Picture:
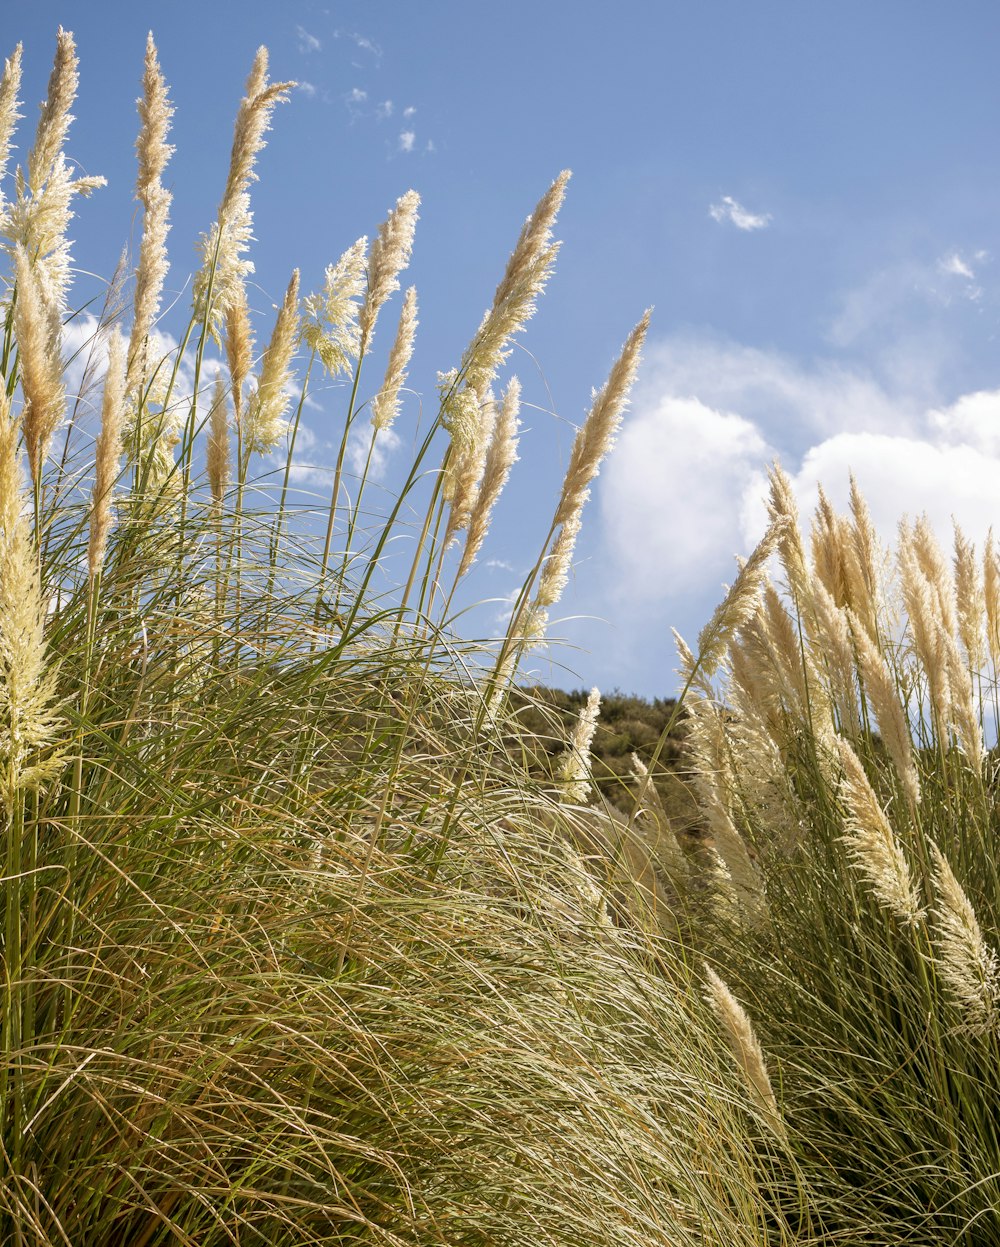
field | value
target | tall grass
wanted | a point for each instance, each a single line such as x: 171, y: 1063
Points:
x: 293, y: 950
x: 843, y: 773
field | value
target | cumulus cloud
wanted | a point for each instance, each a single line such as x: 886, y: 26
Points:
x: 307, y: 42
x: 383, y: 110
x: 406, y: 141
x: 671, y: 495
x: 727, y: 209
x: 409, y: 112
x: 686, y: 486
x: 356, y: 96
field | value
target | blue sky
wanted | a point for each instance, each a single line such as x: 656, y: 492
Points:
x: 805, y: 192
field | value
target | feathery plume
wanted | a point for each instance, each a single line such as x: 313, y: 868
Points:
x: 650, y: 807
x: 937, y: 573
x: 223, y: 248
x: 217, y: 449
x: 41, y: 212
x: 991, y: 594
x: 745, y: 1047
x: 108, y: 455
x: 267, y: 405
x: 466, y: 464
x: 525, y: 277
x: 964, y: 715
x: 742, y: 600
x: 593, y: 440
x: 385, y: 404
x: 966, y: 963
x: 832, y: 642
x: 573, y: 772
x: 885, y: 705
x: 55, y: 119
x: 923, y: 601
x: 10, y: 85
x: 239, y: 347
x: 867, y: 560
x: 390, y: 254
x: 872, y: 845
x: 153, y: 153
x: 38, y: 340
x: 969, y: 600
x: 29, y: 722
x: 331, y: 315
x: 500, y: 458
x: 782, y: 506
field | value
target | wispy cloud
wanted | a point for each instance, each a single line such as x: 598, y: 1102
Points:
x: 307, y: 42
x: 384, y: 110
x: 728, y: 210
x: 410, y: 111
x: 955, y: 266
x: 307, y: 88
x: 360, y: 41
x: 406, y: 141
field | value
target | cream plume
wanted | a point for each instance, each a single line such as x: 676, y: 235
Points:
x: 741, y: 602
x: 744, y: 1045
x: 885, y: 705
x: 593, y: 440
x: 969, y: 600
x: 266, y: 407
x: 29, y: 722
x: 224, y: 266
x: 331, y: 315
x: 153, y: 153
x: 217, y: 449
x: 385, y: 404
x: 966, y: 963
x: 573, y: 772
x: 390, y: 254
x: 10, y: 85
x: 55, y: 119
x: 500, y: 458
x: 872, y: 845
x: 37, y: 328
x: 108, y: 455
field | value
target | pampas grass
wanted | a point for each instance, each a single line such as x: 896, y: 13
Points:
x: 294, y: 949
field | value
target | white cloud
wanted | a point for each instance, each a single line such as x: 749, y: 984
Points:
x: 671, y: 496
x: 308, y: 88
x: 383, y: 110
x: 955, y: 266
x: 307, y: 42
x: 409, y: 112
x: 406, y: 140
x: 356, y: 96
x: 361, y: 41
x: 727, y: 209
x: 685, y: 488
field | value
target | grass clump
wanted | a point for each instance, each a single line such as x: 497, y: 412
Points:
x: 293, y: 950
x: 851, y: 806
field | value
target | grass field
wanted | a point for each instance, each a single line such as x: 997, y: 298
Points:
x: 320, y: 927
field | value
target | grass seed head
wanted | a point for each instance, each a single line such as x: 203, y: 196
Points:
x: 967, y: 964
x: 10, y: 85
x: 390, y: 254
x: 871, y: 843
x: 385, y: 404
x: 108, y: 455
